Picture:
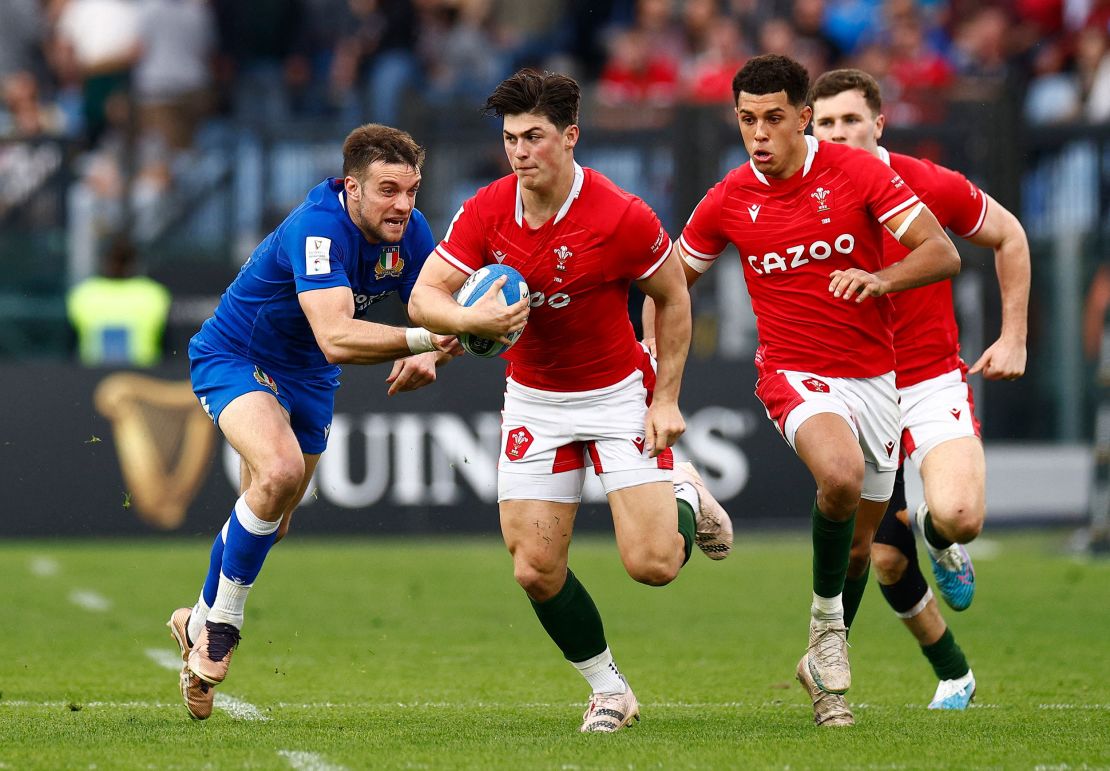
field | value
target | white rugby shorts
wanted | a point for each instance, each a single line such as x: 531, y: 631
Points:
x: 549, y: 437
x: 936, y: 410
x: 868, y: 405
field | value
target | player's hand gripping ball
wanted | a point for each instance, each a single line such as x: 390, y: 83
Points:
x: 474, y: 289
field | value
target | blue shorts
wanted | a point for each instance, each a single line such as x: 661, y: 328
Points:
x: 220, y: 377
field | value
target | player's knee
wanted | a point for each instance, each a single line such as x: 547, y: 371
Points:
x: 280, y: 479
x: 961, y: 521
x: 541, y: 583
x: 888, y: 563
x: 654, y: 571
x: 838, y: 491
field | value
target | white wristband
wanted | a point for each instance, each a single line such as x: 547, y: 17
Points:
x: 419, y: 340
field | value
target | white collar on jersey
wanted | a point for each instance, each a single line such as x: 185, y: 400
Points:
x: 575, y: 189
x: 811, y: 150
x: 884, y: 156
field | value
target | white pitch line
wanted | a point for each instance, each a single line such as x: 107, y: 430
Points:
x: 309, y: 761
x: 236, y: 708
x: 83, y: 704
x: 239, y: 709
x: 90, y: 600
x: 44, y: 567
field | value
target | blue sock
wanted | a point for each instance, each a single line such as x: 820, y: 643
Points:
x: 215, y: 562
x: 248, y: 541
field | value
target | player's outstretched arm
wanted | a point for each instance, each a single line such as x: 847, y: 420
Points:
x: 667, y: 291
x: 1001, y: 231
x: 647, y: 316
x: 932, y: 257
x: 347, y: 340
x: 433, y: 306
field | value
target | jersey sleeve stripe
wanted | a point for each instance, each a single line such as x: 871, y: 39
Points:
x: 694, y: 259
x: 908, y: 202
x: 694, y: 252
x: 454, y: 261
x: 658, y: 264
x: 979, y: 222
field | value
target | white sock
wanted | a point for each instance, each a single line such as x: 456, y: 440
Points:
x: 685, y: 491
x: 827, y: 608
x: 198, y: 617
x: 231, y: 598
x: 601, y: 673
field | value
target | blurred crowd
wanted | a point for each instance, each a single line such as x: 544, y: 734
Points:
x: 133, y: 83
x: 81, y: 68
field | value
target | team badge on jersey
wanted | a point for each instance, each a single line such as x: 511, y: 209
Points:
x: 518, y: 441
x: 264, y: 379
x: 390, y: 263
x: 823, y: 197
x: 562, y: 254
x: 815, y: 385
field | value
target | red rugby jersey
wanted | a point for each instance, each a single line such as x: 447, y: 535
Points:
x: 578, y: 265
x: 926, y: 339
x: 791, y: 233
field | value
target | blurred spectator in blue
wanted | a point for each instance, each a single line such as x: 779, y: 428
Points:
x: 98, y: 41
x: 850, y: 22
x: 263, y: 64
x: 376, y: 62
x: 1053, y: 93
x: 119, y: 317
x: 584, y: 31
x: 22, y: 35
x: 463, y: 59
x: 25, y: 115
x: 808, y: 17
x: 981, y: 48
x: 173, y: 77
x: 529, y: 33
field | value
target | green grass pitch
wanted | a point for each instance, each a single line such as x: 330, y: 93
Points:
x: 425, y: 654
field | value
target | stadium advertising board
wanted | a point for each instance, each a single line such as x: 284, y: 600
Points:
x: 89, y: 451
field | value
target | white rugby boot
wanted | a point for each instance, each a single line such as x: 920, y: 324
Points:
x: 713, y: 528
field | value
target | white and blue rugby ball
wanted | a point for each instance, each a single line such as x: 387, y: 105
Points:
x: 475, y: 289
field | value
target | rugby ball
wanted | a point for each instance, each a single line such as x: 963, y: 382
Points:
x: 475, y: 289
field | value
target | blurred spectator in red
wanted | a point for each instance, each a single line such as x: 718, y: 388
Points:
x: 640, y: 77
x: 922, y: 74
x: 708, y: 76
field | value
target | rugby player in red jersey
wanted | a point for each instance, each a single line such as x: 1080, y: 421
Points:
x: 808, y: 222
x: 940, y: 433
x: 580, y: 388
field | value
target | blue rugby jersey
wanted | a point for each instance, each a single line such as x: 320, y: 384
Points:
x: 316, y: 247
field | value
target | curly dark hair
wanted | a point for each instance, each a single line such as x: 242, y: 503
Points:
x: 554, y: 96
x: 770, y: 73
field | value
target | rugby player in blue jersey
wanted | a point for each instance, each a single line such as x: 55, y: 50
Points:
x: 265, y: 366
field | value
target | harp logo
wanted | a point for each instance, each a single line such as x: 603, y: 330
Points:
x: 164, y: 442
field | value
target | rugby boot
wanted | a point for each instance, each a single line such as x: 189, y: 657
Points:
x: 609, y: 712
x: 827, y: 656
x: 713, y: 528
x: 952, y: 568
x: 197, y: 694
x: 211, y: 653
x: 954, y: 694
x: 829, y: 709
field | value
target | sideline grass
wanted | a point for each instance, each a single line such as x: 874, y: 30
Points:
x: 406, y: 654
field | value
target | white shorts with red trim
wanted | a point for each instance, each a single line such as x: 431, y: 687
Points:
x: 549, y: 437
x: 868, y: 405
x: 935, y: 411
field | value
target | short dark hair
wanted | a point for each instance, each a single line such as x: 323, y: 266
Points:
x: 554, y: 96
x: 770, y: 73
x: 836, y: 82
x: 374, y: 142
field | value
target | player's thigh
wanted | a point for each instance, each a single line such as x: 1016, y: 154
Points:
x: 537, y: 534
x: 257, y: 426
x: 829, y: 447
x: 645, y: 520
x: 954, y: 476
